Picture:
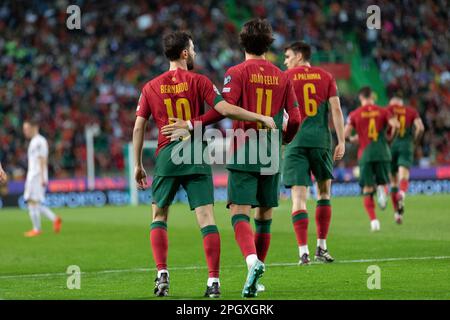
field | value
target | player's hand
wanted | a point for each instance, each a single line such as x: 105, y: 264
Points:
x: 268, y: 122
x: 339, y: 151
x: 178, y: 130
x: 141, y: 177
x: 285, y: 120
x: 175, y: 124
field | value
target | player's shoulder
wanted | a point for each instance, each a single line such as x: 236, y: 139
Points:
x: 324, y: 73
x: 237, y: 69
x: 412, y: 110
x: 39, y: 140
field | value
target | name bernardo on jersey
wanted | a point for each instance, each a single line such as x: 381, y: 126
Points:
x: 175, y: 88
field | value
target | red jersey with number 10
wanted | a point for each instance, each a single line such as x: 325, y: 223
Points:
x: 176, y: 94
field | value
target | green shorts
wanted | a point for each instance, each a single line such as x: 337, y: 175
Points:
x: 300, y: 162
x: 401, y: 157
x: 374, y: 173
x: 199, y: 189
x: 252, y: 188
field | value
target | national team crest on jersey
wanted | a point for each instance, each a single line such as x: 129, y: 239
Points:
x: 227, y: 80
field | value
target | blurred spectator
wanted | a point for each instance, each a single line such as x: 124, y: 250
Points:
x: 94, y: 75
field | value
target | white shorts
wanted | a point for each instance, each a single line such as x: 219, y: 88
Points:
x: 34, y: 191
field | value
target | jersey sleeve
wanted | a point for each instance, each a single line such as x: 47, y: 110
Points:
x: 232, y: 86
x: 210, y: 93
x: 143, y: 108
x: 414, y: 113
x: 332, y: 88
x: 351, y: 119
x: 291, y: 98
x: 42, y: 149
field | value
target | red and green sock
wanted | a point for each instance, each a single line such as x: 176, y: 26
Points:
x: 369, y: 204
x: 262, y: 238
x: 300, y: 221
x: 323, y: 218
x: 394, y: 197
x: 243, y: 234
x: 159, y: 243
x: 211, y: 245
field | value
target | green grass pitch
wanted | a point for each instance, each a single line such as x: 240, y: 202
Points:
x: 111, y: 246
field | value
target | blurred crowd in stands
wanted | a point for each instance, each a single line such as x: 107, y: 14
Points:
x: 71, y: 79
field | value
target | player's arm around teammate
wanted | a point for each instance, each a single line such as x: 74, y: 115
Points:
x: 178, y: 126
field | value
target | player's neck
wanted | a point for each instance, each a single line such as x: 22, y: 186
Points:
x: 304, y: 64
x: 249, y: 56
x: 178, y: 64
x: 367, y: 103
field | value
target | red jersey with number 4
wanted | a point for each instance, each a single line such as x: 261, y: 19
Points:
x: 370, y: 123
x: 176, y: 94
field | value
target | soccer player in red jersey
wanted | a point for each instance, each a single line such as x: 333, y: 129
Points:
x: 371, y: 122
x: 259, y: 86
x: 310, y: 151
x: 402, y: 149
x: 180, y: 93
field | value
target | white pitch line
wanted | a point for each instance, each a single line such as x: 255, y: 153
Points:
x: 287, y: 264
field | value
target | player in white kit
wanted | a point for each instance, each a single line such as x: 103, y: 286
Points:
x: 2, y: 175
x: 37, y: 179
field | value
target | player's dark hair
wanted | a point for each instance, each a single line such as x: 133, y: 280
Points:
x: 366, y: 92
x: 32, y: 122
x: 256, y: 36
x: 300, y: 47
x: 174, y: 43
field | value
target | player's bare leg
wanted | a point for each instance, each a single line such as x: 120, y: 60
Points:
x: 211, y: 245
x: 240, y: 218
x: 323, y: 218
x: 369, y: 205
x: 159, y: 243
x: 52, y: 217
x: 403, y: 177
x: 263, y: 221
x: 300, y: 220
x: 33, y: 209
x: 382, y: 196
